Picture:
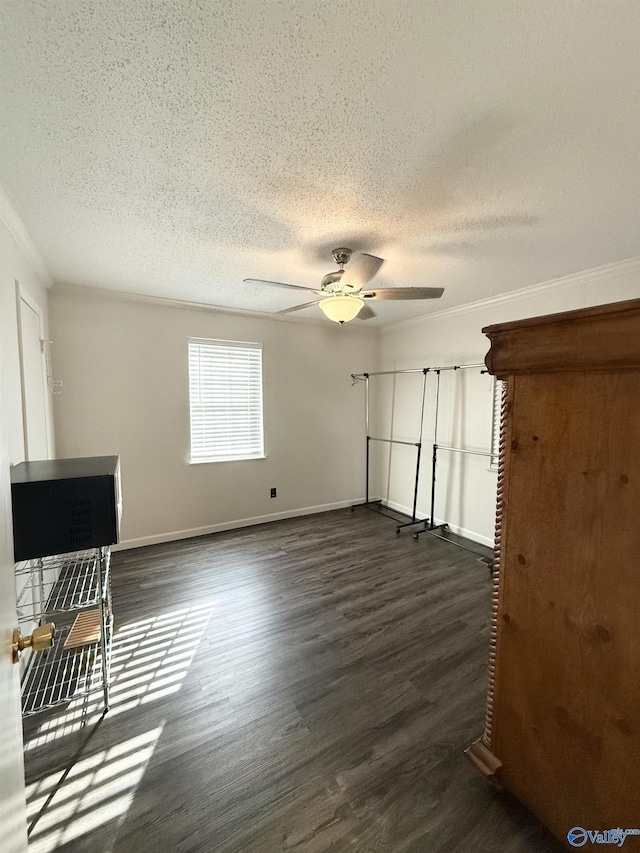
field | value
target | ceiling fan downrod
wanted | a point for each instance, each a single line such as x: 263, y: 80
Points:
x: 341, y: 257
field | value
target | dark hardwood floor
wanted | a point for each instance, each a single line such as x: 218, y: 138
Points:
x: 307, y: 685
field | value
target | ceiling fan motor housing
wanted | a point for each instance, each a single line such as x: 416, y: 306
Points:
x: 331, y: 281
x: 341, y: 256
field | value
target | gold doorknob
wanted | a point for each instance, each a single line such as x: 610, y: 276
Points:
x: 42, y: 638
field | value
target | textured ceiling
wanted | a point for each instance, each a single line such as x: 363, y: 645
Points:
x: 174, y: 148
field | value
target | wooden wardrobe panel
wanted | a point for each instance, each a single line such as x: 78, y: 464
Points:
x: 562, y: 728
x: 566, y: 718
x: 600, y: 338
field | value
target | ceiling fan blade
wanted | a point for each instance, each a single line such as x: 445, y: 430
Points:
x: 280, y: 284
x: 405, y: 293
x: 299, y: 307
x: 360, y: 270
x: 366, y: 313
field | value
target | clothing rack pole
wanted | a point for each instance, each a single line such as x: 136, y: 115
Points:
x: 366, y: 415
x: 395, y: 441
x: 415, y: 489
x: 359, y: 376
x: 414, y: 519
x: 434, y: 457
x: 465, y: 450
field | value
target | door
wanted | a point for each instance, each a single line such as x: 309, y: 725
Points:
x: 35, y: 413
x: 32, y: 374
x: 13, y: 817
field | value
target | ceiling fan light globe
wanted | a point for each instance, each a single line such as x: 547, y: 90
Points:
x: 341, y: 309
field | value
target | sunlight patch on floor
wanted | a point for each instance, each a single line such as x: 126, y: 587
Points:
x: 150, y: 660
x: 100, y: 788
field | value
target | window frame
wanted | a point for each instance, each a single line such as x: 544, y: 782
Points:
x: 242, y: 346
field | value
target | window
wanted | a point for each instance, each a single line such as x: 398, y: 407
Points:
x: 495, y: 422
x: 225, y: 394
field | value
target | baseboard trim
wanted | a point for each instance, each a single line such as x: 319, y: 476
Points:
x: 405, y: 510
x: 174, y: 535
x: 454, y: 528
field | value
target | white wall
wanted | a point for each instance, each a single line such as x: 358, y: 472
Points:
x: 15, y: 267
x: 124, y: 367
x: 466, y: 485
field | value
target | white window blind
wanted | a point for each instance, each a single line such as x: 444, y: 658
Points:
x: 225, y: 393
x: 495, y: 425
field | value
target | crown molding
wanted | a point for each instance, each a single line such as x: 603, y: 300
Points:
x: 82, y: 291
x: 565, y: 281
x: 15, y: 226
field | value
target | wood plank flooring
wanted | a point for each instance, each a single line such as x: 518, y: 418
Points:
x: 307, y: 685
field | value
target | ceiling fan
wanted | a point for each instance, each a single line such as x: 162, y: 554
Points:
x: 343, y: 292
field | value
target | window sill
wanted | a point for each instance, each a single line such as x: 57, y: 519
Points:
x: 208, y: 460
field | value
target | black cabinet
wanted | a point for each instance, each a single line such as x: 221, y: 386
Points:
x: 62, y: 505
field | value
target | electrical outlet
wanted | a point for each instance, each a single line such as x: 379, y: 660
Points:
x: 273, y: 492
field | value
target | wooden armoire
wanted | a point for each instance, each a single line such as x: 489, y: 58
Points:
x: 562, y: 728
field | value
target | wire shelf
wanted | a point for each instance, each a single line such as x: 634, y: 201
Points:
x: 56, y: 561
x: 57, y: 675
x: 63, y: 583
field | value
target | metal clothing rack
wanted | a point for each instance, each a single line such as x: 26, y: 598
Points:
x: 357, y: 377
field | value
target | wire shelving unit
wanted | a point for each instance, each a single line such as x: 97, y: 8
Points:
x: 57, y: 588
